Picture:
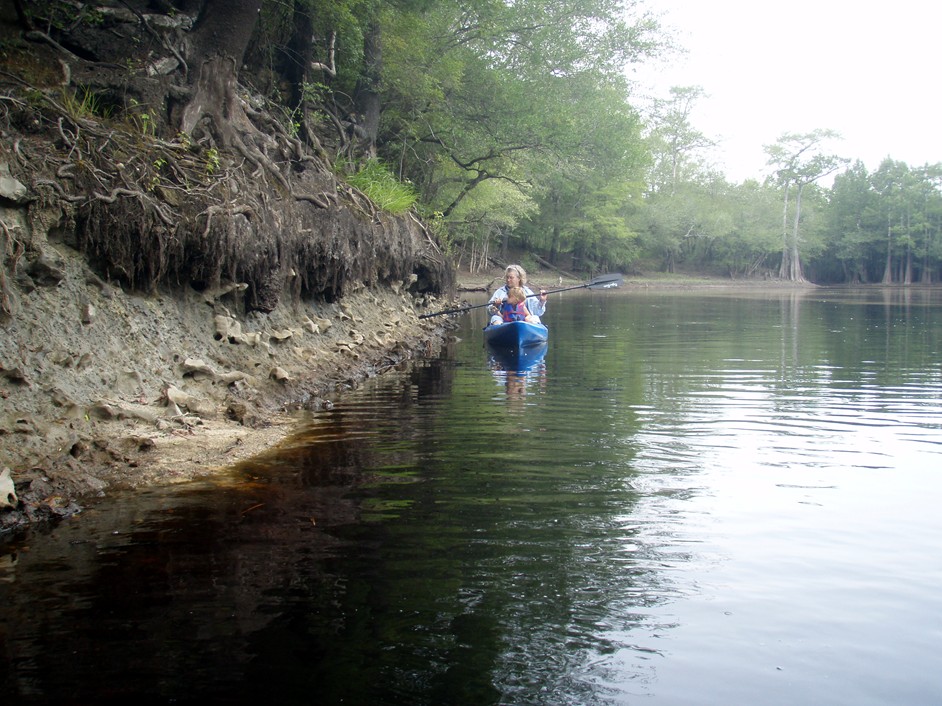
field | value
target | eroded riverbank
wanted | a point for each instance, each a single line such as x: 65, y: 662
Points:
x: 104, y: 389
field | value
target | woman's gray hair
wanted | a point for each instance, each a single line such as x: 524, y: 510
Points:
x: 521, y: 273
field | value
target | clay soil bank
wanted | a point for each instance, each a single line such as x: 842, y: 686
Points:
x: 102, y: 389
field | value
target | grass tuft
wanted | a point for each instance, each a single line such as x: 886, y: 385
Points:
x: 377, y: 181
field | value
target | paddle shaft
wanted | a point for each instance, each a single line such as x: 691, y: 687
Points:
x: 601, y: 282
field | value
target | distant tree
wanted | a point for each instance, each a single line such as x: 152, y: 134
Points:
x: 854, y: 232
x: 754, y: 236
x: 683, y: 215
x: 798, y: 162
x: 930, y: 187
x: 675, y: 144
x: 893, y: 182
x: 590, y: 182
x: 673, y: 227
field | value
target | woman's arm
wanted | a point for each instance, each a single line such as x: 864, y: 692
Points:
x: 534, y: 305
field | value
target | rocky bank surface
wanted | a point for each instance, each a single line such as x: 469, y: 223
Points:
x: 101, y: 388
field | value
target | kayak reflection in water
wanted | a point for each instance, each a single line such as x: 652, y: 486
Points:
x: 519, y: 372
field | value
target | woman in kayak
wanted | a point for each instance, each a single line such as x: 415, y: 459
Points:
x: 516, y: 276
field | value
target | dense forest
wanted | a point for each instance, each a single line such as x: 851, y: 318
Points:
x: 515, y: 125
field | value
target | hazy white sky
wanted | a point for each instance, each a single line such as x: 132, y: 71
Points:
x: 868, y: 70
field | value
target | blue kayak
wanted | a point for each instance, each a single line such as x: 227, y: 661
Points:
x: 515, y: 335
x: 517, y: 360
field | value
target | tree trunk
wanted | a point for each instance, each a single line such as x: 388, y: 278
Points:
x: 791, y: 259
x: 216, y: 48
x: 300, y: 52
x: 368, y: 87
x: 215, y: 97
x: 888, y: 270
x: 786, y: 255
x: 796, y: 275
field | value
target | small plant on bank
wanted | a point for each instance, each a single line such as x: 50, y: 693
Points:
x: 316, y: 95
x: 158, y: 165
x: 377, y: 181
x: 140, y: 120
x: 212, y: 161
x: 83, y: 104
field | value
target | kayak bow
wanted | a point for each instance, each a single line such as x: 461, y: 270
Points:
x: 515, y: 335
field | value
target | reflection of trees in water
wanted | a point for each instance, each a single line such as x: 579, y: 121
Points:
x: 580, y: 580
x: 184, y: 591
x: 156, y: 595
x: 524, y: 571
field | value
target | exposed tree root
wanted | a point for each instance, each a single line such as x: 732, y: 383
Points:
x: 152, y: 212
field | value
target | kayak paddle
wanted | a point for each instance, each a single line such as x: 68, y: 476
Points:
x: 600, y: 282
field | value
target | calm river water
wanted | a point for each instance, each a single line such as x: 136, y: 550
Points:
x: 698, y: 497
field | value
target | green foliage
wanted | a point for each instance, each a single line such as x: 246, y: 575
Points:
x: 377, y: 181
x: 316, y: 92
x: 494, y: 206
x: 140, y: 119
x: 212, y: 161
x: 903, y: 222
x: 82, y: 103
x: 526, y: 95
x: 512, y: 124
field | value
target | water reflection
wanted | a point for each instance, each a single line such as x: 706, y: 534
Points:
x: 683, y: 486
x: 518, y: 371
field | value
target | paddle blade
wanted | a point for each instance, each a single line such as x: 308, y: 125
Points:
x: 606, y: 281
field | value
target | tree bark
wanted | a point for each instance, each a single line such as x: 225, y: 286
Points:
x: 795, y: 273
x: 368, y: 87
x: 216, y: 48
x: 786, y: 255
x: 888, y: 270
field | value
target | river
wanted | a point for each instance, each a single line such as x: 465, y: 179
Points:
x: 691, y: 497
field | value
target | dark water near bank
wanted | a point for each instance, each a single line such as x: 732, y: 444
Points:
x: 692, y: 498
